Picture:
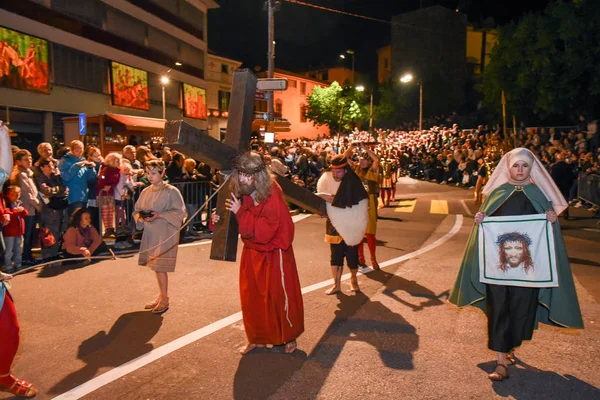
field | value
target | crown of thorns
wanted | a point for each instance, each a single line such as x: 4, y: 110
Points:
x: 513, y: 237
x: 248, y: 171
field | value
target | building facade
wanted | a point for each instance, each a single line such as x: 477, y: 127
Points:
x: 480, y: 43
x: 96, y: 57
x: 341, y: 75
x: 289, y: 109
x: 384, y: 64
x: 219, y: 77
x: 430, y: 42
x: 477, y: 45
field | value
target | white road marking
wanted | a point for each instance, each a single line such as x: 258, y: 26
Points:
x: 466, y: 208
x: 591, y: 229
x: 145, y: 359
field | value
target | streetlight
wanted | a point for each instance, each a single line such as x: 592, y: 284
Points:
x: 343, y: 57
x: 164, y: 81
x: 409, y: 78
x: 361, y: 88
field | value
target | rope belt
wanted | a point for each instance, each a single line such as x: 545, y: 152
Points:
x: 286, y: 307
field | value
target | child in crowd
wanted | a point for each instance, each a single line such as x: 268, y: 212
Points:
x: 122, y: 194
x: 108, y: 179
x: 14, y: 214
x: 23, y: 177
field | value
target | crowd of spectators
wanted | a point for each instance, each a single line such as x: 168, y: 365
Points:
x: 39, y: 198
x: 48, y: 203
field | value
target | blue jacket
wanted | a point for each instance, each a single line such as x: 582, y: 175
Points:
x: 75, y: 177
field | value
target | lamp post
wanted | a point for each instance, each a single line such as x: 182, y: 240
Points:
x: 362, y: 89
x: 409, y: 78
x: 343, y: 57
x: 164, y: 81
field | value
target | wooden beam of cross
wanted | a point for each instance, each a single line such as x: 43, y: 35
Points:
x: 197, y: 144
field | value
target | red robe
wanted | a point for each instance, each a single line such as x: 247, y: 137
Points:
x: 267, y: 231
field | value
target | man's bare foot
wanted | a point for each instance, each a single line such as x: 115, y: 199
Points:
x: 354, y: 285
x: 249, y: 347
x: 290, y: 347
x: 333, y: 290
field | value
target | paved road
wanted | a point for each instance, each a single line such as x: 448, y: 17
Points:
x: 81, y: 328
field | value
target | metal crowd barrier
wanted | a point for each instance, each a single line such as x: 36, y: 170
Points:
x: 589, y: 188
x: 194, y: 195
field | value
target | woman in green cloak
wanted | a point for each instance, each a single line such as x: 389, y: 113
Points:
x: 519, y: 186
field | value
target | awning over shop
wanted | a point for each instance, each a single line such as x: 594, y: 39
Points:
x: 139, y: 123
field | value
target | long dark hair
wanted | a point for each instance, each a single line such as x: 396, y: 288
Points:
x: 262, y: 178
x: 75, y: 220
x: 517, y: 237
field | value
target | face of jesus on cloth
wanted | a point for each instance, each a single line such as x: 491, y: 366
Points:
x: 513, y: 253
x: 513, y: 249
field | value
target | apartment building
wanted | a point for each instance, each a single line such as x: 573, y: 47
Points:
x: 104, y: 59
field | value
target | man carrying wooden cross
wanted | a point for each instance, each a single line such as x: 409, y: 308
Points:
x: 270, y: 293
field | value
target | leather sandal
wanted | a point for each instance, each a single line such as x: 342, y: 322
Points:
x: 375, y: 265
x: 20, y: 388
x: 497, y: 376
x: 161, y: 307
x: 151, y: 305
x: 511, y: 358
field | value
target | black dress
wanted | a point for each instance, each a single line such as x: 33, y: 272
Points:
x: 511, y: 310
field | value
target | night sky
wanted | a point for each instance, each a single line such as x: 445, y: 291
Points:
x: 309, y: 38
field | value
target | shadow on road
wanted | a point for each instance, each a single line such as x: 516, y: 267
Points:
x: 357, y: 319
x: 393, y: 283
x: 127, y: 339
x: 529, y: 382
x: 261, y: 372
x: 60, y: 267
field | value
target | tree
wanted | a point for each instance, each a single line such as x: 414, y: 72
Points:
x: 548, y: 64
x: 333, y: 106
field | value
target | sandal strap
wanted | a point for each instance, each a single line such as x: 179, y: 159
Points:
x: 20, y: 387
x: 503, y: 366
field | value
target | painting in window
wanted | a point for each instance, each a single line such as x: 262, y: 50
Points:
x: 194, y: 102
x: 129, y: 86
x: 23, y: 61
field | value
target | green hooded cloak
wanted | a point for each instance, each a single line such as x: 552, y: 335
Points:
x: 556, y: 305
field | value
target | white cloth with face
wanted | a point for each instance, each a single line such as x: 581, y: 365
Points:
x: 539, y: 176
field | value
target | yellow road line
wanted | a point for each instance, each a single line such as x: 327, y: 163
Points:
x: 439, y: 207
x: 406, y: 206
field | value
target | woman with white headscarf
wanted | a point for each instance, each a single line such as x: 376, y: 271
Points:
x: 519, y: 186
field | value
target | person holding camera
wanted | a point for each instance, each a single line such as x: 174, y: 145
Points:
x: 54, y: 197
x: 160, y: 212
x: 76, y: 171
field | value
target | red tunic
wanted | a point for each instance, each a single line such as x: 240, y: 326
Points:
x: 267, y: 231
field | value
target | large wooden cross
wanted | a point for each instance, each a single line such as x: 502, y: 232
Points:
x: 195, y: 143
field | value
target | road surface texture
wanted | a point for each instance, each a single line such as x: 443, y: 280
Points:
x: 85, y: 333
